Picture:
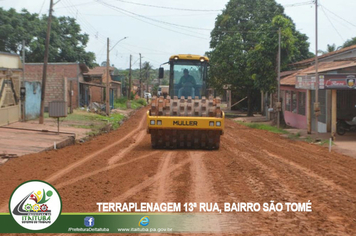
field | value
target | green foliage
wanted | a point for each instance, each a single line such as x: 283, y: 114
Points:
x: 349, y: 42
x: 244, y: 46
x: 269, y: 128
x: 67, y: 44
x: 141, y: 101
x: 113, y: 119
x: 137, y: 103
x: 330, y: 48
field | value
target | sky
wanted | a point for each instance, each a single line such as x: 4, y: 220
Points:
x: 152, y: 27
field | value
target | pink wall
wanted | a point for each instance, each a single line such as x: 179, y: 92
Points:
x: 295, y: 120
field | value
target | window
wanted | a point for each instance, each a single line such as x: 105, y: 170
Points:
x: 288, y: 100
x: 294, y: 102
x: 188, y: 78
x: 301, y: 103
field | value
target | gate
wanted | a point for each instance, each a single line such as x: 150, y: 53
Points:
x: 9, y: 100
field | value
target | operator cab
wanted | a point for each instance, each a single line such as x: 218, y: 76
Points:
x: 188, y: 75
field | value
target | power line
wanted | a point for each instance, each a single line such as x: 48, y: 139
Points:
x: 338, y: 16
x: 85, y: 24
x: 169, y: 8
x: 150, y: 49
x: 42, y: 7
x: 299, y: 4
x: 80, y: 4
x: 349, y: 27
x: 158, y: 21
x: 133, y: 16
x: 322, y: 8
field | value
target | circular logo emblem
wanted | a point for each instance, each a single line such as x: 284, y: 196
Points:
x: 35, y: 205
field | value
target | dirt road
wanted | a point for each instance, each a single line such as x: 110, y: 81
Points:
x: 251, y: 166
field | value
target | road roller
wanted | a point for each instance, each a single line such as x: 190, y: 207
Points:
x: 188, y: 117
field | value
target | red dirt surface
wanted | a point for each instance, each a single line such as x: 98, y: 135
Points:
x: 251, y: 166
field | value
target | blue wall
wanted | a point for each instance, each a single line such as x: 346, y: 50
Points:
x: 33, y: 100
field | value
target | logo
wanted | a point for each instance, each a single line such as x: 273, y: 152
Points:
x: 185, y: 123
x: 89, y: 221
x: 35, y: 205
x: 351, y: 81
x: 144, y: 221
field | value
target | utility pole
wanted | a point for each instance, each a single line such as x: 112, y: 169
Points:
x: 279, y: 106
x: 141, y: 92
x: 23, y: 81
x: 147, y: 75
x: 107, y: 80
x: 129, y: 93
x: 316, y: 104
x: 44, y: 74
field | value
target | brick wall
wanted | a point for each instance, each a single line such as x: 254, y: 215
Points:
x: 96, y: 94
x: 55, y: 80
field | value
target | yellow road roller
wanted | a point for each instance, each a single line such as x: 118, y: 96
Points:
x: 187, y: 117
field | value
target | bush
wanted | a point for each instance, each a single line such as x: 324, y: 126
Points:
x: 121, y: 100
x: 141, y: 101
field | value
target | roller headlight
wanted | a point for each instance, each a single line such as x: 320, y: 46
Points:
x: 218, y: 123
x: 159, y: 122
x: 152, y: 122
x: 211, y: 123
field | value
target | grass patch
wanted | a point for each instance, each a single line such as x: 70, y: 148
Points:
x: 293, y: 136
x: 92, y: 121
x: 137, y: 103
x: 113, y: 119
x: 264, y: 127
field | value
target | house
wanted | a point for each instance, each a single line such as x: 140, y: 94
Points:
x: 344, y: 53
x: 336, y: 95
x: 94, y: 86
x: 11, y: 74
x: 63, y: 83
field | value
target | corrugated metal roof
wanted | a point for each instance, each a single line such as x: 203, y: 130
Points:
x: 310, y: 60
x: 322, y: 68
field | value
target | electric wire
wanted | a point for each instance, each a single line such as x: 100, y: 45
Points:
x: 339, y: 16
x: 322, y: 8
x: 169, y: 8
x: 125, y: 12
x: 155, y: 20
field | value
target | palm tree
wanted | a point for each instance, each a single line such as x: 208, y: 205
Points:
x: 330, y: 48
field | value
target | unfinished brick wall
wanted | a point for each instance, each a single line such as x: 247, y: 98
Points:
x: 56, y: 72
x: 96, y: 94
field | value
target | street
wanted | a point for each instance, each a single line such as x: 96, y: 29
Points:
x: 250, y: 166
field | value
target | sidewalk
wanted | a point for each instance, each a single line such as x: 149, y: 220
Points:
x: 345, y: 144
x: 22, y: 138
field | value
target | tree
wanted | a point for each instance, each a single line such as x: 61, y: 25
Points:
x: 244, y: 46
x: 67, y: 44
x: 330, y: 48
x: 349, y: 42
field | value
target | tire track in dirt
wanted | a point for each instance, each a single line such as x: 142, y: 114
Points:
x: 71, y: 167
x: 139, y: 187
x: 64, y: 171
x: 137, y: 139
x: 266, y: 179
x: 202, y: 191
x: 307, y: 152
x: 304, y: 183
x: 72, y: 181
x: 163, y: 182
